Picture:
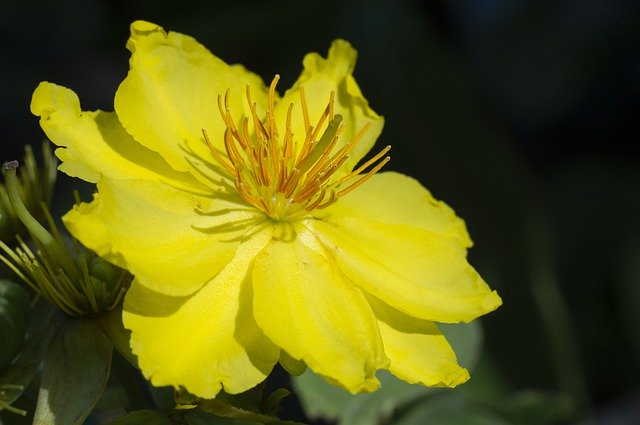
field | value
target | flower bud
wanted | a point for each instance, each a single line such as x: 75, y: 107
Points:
x: 75, y: 280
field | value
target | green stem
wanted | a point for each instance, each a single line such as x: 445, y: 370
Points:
x: 35, y: 228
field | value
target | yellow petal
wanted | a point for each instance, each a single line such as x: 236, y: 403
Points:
x: 94, y: 143
x: 419, y: 272
x: 170, y: 94
x: 206, y: 342
x: 398, y: 199
x: 155, y: 232
x: 418, y: 351
x: 304, y: 305
x: 320, y: 77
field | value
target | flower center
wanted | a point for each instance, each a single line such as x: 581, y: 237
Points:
x: 280, y: 176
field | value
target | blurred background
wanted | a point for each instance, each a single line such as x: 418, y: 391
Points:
x: 520, y: 115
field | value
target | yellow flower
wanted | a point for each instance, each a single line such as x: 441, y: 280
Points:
x: 251, y: 237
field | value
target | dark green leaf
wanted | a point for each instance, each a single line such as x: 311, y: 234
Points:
x: 218, y: 407
x: 20, y: 374
x: 75, y: 372
x: 146, y: 417
x: 198, y: 417
x: 530, y: 407
x: 202, y: 418
x: 449, y: 409
x: 14, y: 314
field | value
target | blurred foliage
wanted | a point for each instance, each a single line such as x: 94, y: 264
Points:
x: 521, y: 115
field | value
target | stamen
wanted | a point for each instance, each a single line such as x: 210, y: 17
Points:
x: 305, y: 109
x: 324, y: 160
x: 323, y: 117
x: 273, y: 129
x: 346, y: 149
x: 277, y: 177
x: 225, y: 113
x: 215, y: 153
x: 262, y: 132
x: 319, y: 148
x: 331, y: 200
x: 366, y: 164
x: 318, y: 199
x: 365, y: 177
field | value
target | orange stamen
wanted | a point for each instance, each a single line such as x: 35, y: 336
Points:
x: 274, y: 175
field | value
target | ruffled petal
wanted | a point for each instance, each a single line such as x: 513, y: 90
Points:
x: 305, y: 306
x: 418, y: 351
x: 398, y: 199
x: 158, y: 233
x: 206, y: 342
x: 421, y: 273
x: 170, y: 94
x: 320, y: 77
x: 95, y: 143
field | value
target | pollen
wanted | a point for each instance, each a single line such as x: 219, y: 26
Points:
x: 287, y: 175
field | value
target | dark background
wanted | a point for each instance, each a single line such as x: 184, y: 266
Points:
x: 521, y: 115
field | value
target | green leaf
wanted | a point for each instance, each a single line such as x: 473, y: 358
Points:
x: 466, y: 340
x: 379, y: 406
x: 16, y: 378
x: 14, y: 315
x: 449, y: 409
x: 322, y: 400
x: 218, y: 407
x: 75, y: 372
x: 147, y: 417
x: 199, y: 417
x: 529, y: 407
x: 203, y: 418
